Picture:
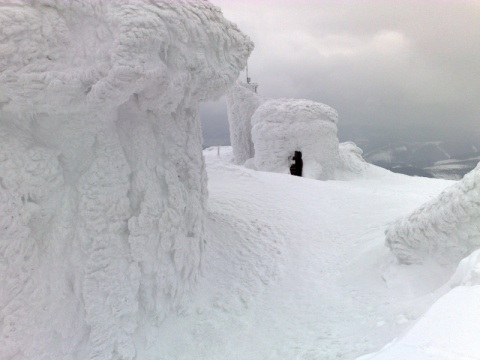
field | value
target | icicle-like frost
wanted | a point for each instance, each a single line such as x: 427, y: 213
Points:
x: 102, y: 179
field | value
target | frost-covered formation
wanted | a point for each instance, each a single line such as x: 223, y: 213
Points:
x: 265, y: 133
x: 351, y: 161
x: 102, y: 179
x: 446, y: 228
x: 282, y: 126
x: 242, y: 101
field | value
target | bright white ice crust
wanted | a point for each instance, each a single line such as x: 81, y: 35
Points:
x: 446, y: 228
x: 102, y: 179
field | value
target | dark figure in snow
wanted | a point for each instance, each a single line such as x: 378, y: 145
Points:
x: 297, y: 167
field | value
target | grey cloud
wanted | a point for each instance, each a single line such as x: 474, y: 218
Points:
x: 408, y: 68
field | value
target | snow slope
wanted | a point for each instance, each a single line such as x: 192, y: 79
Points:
x: 103, y: 197
x: 297, y: 268
x: 450, y: 329
x: 102, y: 180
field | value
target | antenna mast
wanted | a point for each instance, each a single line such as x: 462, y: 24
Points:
x: 252, y: 86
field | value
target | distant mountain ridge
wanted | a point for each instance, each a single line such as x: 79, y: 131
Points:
x: 435, y: 159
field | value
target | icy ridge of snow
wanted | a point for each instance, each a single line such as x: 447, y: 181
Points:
x: 282, y: 126
x: 467, y: 272
x: 242, y: 101
x: 102, y: 179
x: 445, y: 228
x: 351, y: 161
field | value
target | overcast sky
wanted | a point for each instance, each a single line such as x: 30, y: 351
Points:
x: 406, y: 69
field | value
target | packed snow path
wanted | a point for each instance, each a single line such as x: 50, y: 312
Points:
x: 297, y: 268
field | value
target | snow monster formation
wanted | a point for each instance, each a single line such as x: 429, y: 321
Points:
x: 102, y: 179
x: 242, y: 101
x: 445, y: 229
x: 265, y: 133
x: 282, y: 126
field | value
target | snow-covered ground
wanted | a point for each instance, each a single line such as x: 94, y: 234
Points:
x: 110, y: 248
x: 297, y: 269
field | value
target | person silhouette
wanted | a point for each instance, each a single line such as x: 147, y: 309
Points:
x: 297, y: 167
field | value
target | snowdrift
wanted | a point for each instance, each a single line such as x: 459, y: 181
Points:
x: 449, y: 330
x: 102, y: 179
x: 446, y: 228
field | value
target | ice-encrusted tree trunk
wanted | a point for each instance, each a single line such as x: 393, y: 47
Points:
x: 102, y: 180
x: 242, y: 101
x: 445, y: 229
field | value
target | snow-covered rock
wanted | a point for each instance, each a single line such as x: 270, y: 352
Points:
x: 242, y: 101
x: 282, y: 126
x: 351, y: 162
x: 102, y: 179
x: 446, y: 228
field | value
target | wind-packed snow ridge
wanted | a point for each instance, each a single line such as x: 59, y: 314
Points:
x: 446, y: 228
x: 102, y: 179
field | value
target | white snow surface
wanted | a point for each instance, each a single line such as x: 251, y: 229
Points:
x: 102, y: 180
x: 103, y: 197
x: 297, y: 269
x: 449, y: 330
x: 446, y: 228
x: 282, y: 126
x: 242, y: 101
